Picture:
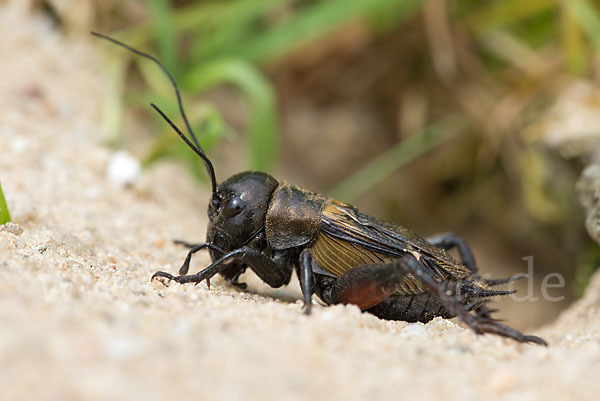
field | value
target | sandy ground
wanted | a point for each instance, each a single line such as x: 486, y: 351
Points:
x: 79, y: 318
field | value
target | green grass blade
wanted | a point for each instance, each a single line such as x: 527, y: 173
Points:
x: 4, y: 214
x: 313, y: 22
x: 500, y: 14
x: 202, y: 16
x: 576, y: 52
x: 262, y: 133
x: 165, y: 34
x: 393, y: 159
x: 213, y: 21
x: 588, y: 18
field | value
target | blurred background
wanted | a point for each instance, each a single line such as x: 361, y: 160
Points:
x: 475, y: 117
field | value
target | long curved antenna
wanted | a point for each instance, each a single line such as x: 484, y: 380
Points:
x: 182, y: 135
x: 194, y: 146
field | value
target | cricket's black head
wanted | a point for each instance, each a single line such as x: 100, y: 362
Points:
x: 240, y: 210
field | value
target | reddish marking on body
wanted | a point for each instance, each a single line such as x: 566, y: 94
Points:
x: 364, y: 295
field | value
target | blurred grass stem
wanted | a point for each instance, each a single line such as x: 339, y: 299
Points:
x: 398, y: 156
x: 4, y: 214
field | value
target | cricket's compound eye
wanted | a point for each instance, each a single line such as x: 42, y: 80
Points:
x: 232, y: 207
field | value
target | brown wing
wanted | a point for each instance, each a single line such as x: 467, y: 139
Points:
x: 348, y: 238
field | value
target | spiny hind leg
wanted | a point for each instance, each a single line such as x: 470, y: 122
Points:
x: 481, y: 323
x: 448, y: 241
x: 365, y: 285
x: 374, y: 287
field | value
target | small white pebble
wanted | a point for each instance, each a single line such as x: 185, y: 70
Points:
x: 123, y: 168
x: 20, y: 145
